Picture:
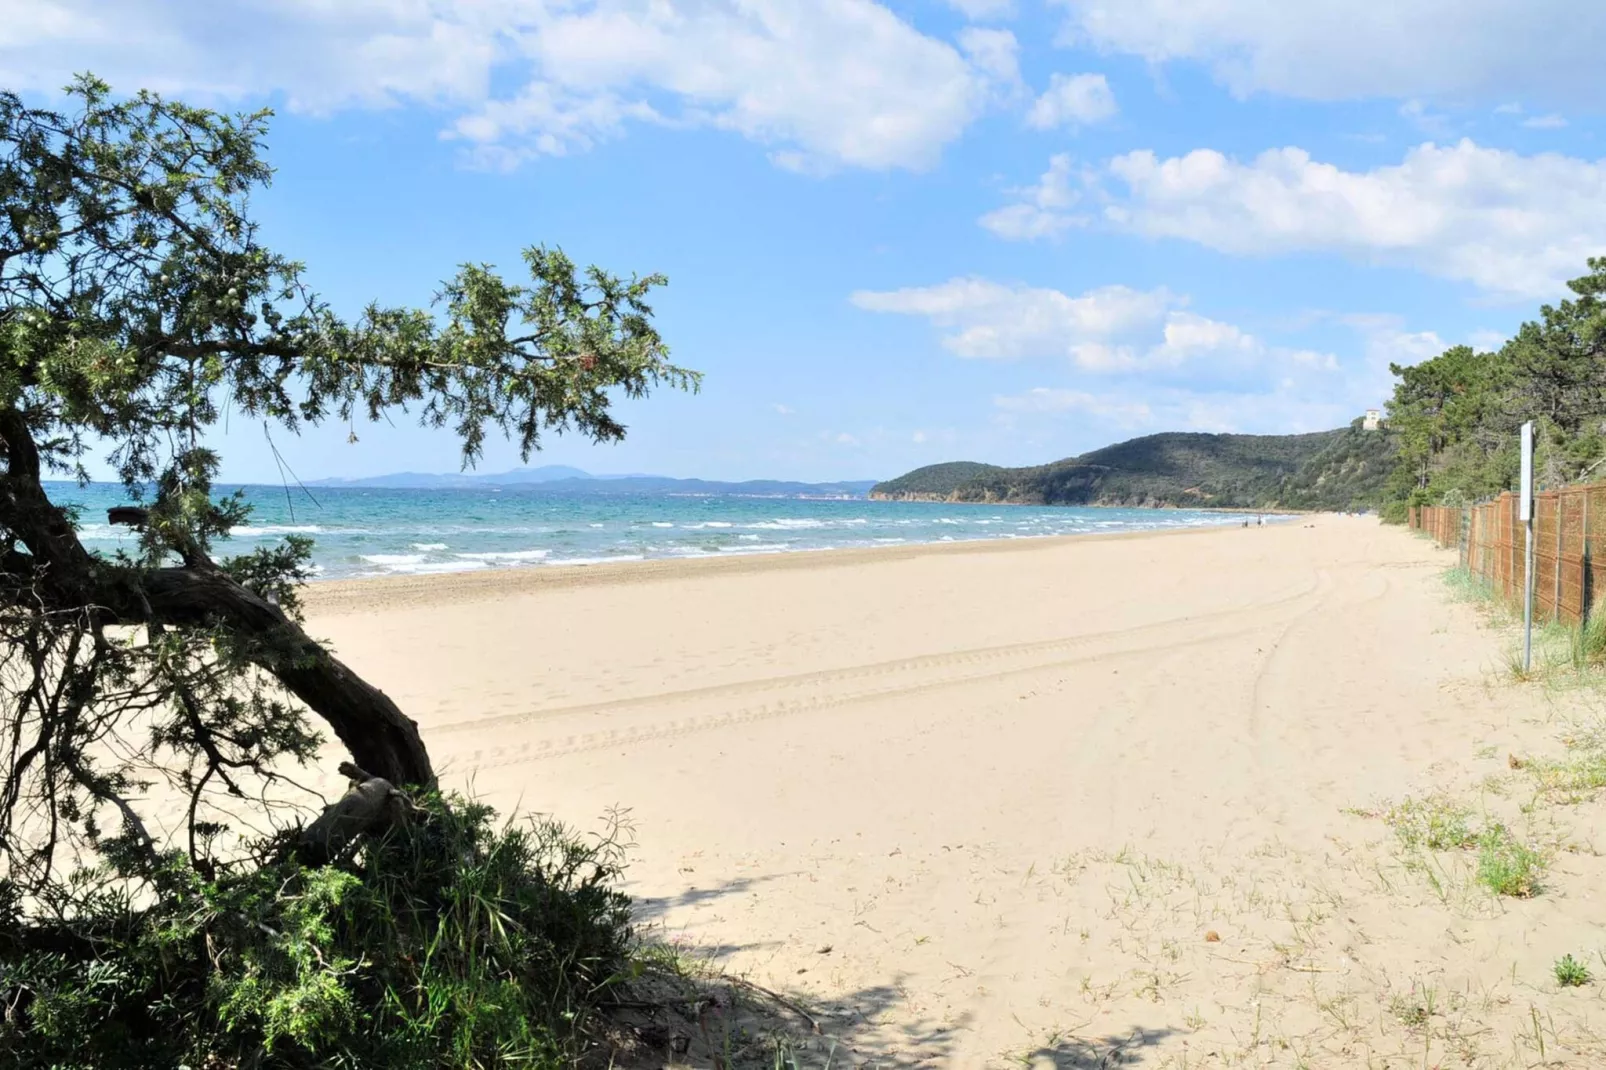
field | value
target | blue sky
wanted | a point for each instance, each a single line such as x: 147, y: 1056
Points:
x: 910, y: 231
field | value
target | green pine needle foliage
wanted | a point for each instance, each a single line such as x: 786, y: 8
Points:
x: 450, y: 942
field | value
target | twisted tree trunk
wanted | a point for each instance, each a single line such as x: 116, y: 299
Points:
x: 380, y: 738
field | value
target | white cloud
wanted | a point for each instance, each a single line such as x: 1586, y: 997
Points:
x: 995, y: 53
x: 1339, y: 49
x: 1545, y: 122
x: 1108, y: 331
x: 1279, y: 410
x: 1041, y: 211
x: 1113, y: 409
x: 1188, y: 336
x: 1130, y: 360
x: 321, y: 55
x: 1511, y: 225
x: 1385, y: 341
x: 988, y: 320
x: 981, y: 10
x: 1433, y: 124
x: 1275, y: 409
x: 1073, y: 100
x: 783, y: 410
x: 825, y: 83
x: 1310, y: 358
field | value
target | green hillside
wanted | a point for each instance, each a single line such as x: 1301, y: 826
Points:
x: 936, y: 480
x: 1337, y: 469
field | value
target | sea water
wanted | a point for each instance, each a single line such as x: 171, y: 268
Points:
x: 359, y: 532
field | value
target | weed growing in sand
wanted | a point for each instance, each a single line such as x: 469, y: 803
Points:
x: 1506, y: 866
x: 1467, y: 586
x: 1435, y: 822
x: 1589, y: 640
x: 1414, y: 1010
x: 1580, y: 773
x: 1563, y: 655
x: 1570, y: 973
x: 786, y: 1057
x: 1553, y: 662
x: 1574, y: 778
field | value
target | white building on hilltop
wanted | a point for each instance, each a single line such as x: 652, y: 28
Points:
x: 1373, y: 420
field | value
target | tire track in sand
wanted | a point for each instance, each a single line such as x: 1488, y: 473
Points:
x: 651, y: 718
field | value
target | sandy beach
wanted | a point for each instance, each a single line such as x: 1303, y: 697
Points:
x: 1066, y: 802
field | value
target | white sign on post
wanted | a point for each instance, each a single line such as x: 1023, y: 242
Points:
x: 1525, y: 510
x: 1526, y: 515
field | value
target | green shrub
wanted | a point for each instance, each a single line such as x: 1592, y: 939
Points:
x: 1570, y: 973
x: 451, y: 942
x: 1507, y: 866
x: 1589, y: 640
x: 1395, y: 512
x: 1435, y: 823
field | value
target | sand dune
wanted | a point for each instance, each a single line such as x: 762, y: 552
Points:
x: 986, y: 804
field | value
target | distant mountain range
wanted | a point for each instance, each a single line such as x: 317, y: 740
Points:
x: 1340, y: 469
x: 562, y: 479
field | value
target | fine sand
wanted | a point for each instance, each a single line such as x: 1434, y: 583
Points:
x: 994, y: 804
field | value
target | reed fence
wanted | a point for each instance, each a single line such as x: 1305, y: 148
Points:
x: 1569, y: 533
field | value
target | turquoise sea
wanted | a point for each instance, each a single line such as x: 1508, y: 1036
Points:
x: 387, y: 532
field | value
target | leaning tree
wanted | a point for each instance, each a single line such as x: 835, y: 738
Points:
x: 138, y: 306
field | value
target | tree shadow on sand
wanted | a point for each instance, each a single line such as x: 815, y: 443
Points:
x: 1083, y: 1053
x: 650, y: 915
x: 725, y: 1022
x: 686, y: 1009
x: 871, y: 1029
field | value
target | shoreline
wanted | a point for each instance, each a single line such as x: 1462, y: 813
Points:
x: 350, y: 594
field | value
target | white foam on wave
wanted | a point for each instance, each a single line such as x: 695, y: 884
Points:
x: 505, y: 555
x: 708, y: 524
x: 249, y: 531
x: 662, y: 524
x: 786, y: 524
x: 103, y: 533
x: 429, y: 546
x: 425, y: 567
x: 393, y: 560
